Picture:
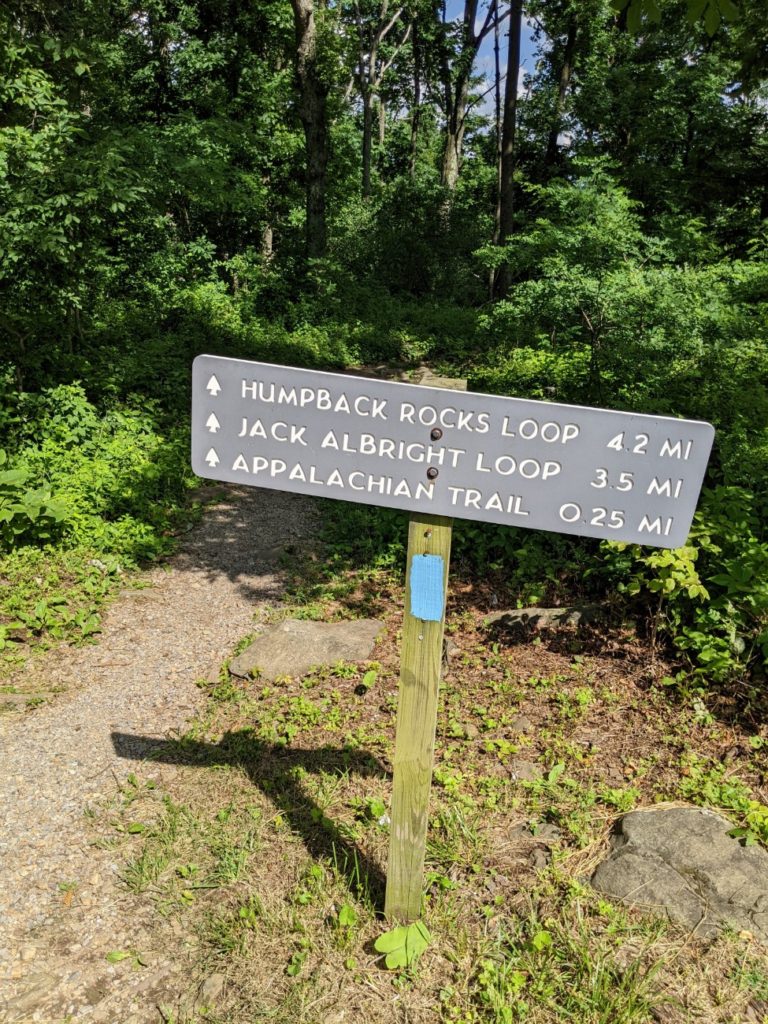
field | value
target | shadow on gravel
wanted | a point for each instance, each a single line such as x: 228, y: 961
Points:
x: 276, y: 771
x: 242, y: 535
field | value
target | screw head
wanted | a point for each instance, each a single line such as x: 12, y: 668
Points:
x: 436, y: 434
x: 431, y: 473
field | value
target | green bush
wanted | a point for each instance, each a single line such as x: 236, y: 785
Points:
x: 111, y: 481
x: 27, y: 514
x: 710, y: 597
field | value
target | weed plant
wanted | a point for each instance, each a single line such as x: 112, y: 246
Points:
x: 90, y: 495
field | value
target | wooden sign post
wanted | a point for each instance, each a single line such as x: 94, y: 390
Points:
x: 421, y: 659
x: 437, y: 454
x: 421, y: 655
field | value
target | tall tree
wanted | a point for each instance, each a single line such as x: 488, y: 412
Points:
x: 564, y: 54
x: 416, y: 65
x: 460, y: 44
x: 376, y: 27
x: 313, y: 97
x: 672, y: 108
x: 506, y: 198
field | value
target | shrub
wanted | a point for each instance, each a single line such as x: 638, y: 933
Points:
x: 711, y: 597
x: 27, y: 514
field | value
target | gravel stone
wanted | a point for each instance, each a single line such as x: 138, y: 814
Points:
x: 522, y: 724
x: 539, y: 859
x: 525, y: 771
x: 211, y: 990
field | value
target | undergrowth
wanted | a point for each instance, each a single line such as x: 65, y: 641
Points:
x: 90, y: 494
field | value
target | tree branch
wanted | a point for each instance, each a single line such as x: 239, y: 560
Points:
x: 477, y: 99
x: 385, y: 67
x: 488, y: 24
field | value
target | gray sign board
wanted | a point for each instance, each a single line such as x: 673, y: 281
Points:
x: 564, y: 468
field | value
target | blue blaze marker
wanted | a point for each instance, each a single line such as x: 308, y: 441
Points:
x: 427, y: 587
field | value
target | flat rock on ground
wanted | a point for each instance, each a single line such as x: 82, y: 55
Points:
x: 62, y: 905
x: 547, y: 618
x: 294, y: 646
x: 682, y: 862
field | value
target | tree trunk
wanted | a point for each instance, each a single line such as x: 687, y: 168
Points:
x: 566, y: 71
x: 456, y: 94
x: 371, y: 72
x: 416, y: 110
x: 456, y: 86
x: 367, y: 131
x: 312, y: 111
x: 497, y: 113
x: 162, y: 76
x: 454, y: 134
x: 267, y: 241
x: 506, y: 204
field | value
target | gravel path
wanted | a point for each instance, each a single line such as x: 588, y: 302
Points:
x: 62, y: 908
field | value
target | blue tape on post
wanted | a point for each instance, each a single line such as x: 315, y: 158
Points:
x: 427, y: 587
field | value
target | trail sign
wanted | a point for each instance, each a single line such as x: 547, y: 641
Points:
x: 539, y: 465
x: 440, y: 453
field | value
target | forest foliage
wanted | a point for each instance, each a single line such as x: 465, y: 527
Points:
x: 326, y: 184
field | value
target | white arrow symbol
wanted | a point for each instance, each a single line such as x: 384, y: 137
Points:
x: 212, y: 458
x: 212, y: 423
x: 213, y: 386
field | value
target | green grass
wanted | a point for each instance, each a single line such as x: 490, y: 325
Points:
x: 271, y: 848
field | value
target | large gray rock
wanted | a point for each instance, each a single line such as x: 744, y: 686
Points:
x: 682, y: 862
x: 294, y: 646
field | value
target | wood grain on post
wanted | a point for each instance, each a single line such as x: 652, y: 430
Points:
x: 420, y: 664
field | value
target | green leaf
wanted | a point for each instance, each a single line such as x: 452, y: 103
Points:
x: 347, y: 916
x: 116, y: 956
x: 296, y: 963
x: 749, y: 837
x: 711, y: 19
x: 369, y: 678
x: 375, y: 809
x: 541, y: 940
x: 728, y: 10
x: 403, y: 945
x: 634, y: 17
x: 555, y: 772
x: 13, y: 476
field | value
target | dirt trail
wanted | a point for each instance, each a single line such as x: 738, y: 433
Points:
x: 62, y: 908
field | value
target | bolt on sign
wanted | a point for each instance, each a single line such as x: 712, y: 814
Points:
x: 440, y: 454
